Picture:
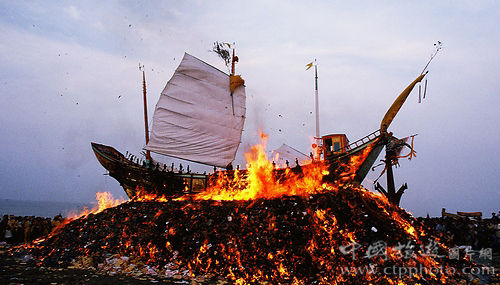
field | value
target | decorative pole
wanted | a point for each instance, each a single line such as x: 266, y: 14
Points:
x: 317, y: 145
x: 148, y: 153
x: 318, y: 141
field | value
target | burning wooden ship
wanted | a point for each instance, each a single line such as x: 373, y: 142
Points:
x: 199, y: 118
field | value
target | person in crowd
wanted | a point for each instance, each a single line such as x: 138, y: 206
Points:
x: 477, y: 233
x: 3, y: 227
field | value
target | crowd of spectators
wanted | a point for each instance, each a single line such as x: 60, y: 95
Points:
x: 15, y: 230
x: 475, y: 232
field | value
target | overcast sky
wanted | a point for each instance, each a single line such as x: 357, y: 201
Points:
x: 69, y: 75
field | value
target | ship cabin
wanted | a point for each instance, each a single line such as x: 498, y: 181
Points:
x: 335, y: 144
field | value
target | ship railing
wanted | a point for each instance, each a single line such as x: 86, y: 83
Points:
x: 361, y: 141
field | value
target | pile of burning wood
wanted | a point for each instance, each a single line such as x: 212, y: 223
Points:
x: 349, y: 236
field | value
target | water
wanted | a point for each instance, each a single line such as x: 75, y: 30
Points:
x: 39, y: 208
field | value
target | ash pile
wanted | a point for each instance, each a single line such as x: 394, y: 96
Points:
x: 347, y: 236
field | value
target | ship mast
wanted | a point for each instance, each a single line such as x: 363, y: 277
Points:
x: 317, y: 148
x: 146, y: 129
x: 318, y: 139
x: 233, y: 60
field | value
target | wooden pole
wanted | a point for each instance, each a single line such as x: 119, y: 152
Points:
x: 316, y: 101
x: 233, y: 60
x: 392, y: 195
x: 232, y: 64
x: 146, y: 128
x: 391, y: 189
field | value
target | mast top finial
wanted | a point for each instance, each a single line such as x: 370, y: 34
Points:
x: 438, y: 46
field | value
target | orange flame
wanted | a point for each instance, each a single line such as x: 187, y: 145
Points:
x: 104, y: 200
x: 354, y: 164
x: 262, y: 180
x: 144, y: 196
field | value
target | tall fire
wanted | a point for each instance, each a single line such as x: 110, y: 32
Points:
x: 259, y: 227
x: 261, y: 180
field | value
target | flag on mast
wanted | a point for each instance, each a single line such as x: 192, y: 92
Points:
x: 309, y: 65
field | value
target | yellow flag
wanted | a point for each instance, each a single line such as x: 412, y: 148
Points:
x: 235, y: 81
x: 309, y: 65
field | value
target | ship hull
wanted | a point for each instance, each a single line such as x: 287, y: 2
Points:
x: 138, y: 180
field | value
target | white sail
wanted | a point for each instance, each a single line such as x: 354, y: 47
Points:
x: 196, y: 118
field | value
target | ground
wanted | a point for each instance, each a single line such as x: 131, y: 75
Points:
x: 17, y: 271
